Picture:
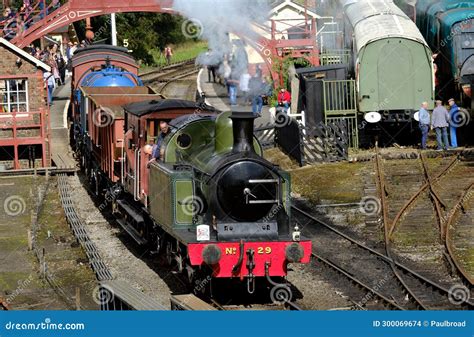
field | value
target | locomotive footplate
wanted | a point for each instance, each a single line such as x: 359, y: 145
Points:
x: 247, y: 259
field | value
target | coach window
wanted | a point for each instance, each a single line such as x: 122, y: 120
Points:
x: 14, y: 95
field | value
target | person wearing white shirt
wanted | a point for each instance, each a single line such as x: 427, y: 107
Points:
x: 49, y: 83
x: 244, y: 86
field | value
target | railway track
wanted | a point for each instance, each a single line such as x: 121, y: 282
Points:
x: 416, y: 233
x: 391, y: 272
x: 78, y: 228
x: 175, y: 81
x: 165, y: 74
x: 458, y: 238
x: 369, y: 258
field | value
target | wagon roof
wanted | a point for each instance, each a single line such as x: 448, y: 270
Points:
x: 451, y: 17
x: 150, y: 106
x: 376, y: 20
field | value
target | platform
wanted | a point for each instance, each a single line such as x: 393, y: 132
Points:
x: 61, y: 153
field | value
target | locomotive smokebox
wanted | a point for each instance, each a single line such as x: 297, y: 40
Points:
x: 242, y: 128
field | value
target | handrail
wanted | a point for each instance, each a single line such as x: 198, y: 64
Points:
x: 46, y: 14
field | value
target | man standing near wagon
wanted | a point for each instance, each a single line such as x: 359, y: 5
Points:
x: 159, y: 150
x: 453, y: 119
x: 440, y: 123
x: 424, y: 118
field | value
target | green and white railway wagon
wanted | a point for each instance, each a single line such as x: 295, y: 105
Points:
x: 393, y: 63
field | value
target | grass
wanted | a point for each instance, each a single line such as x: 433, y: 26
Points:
x: 182, y: 52
x: 335, y: 182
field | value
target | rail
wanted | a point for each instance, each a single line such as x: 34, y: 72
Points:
x: 423, y: 188
x: 169, y: 66
x: 383, y: 257
x: 448, y: 240
x: 167, y: 72
x: 78, y: 227
x: 422, y: 301
x: 181, y: 76
x: 351, y: 277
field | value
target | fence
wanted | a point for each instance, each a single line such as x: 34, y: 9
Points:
x: 341, y: 56
x: 340, y: 106
x: 327, y: 142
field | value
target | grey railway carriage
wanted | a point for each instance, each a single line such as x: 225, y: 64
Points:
x: 392, y: 62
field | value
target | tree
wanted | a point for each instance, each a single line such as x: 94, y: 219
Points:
x: 143, y: 31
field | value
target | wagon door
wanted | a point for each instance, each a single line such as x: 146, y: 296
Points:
x: 396, y: 76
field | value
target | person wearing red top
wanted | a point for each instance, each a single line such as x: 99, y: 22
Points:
x: 284, y: 99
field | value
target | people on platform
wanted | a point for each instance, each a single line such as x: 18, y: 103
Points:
x: 168, y: 54
x: 212, y: 65
x: 225, y: 70
x: 424, y: 120
x: 244, y: 87
x: 257, y: 89
x: 49, y: 85
x: 440, y: 123
x: 453, y: 122
x: 284, y: 99
x: 211, y: 73
x: 232, y: 84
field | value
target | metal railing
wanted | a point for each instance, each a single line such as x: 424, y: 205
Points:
x: 342, y: 56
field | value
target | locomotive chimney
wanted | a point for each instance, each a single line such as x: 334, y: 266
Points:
x: 242, y: 128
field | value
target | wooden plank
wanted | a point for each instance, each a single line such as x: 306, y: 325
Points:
x: 189, y: 302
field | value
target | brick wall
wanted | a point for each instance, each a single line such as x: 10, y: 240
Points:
x: 36, y: 89
x: 36, y: 94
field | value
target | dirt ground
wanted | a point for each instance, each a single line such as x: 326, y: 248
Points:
x: 21, y: 279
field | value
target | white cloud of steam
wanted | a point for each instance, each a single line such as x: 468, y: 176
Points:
x: 217, y: 18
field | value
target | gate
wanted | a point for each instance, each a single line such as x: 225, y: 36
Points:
x: 340, y: 106
x: 325, y: 143
x: 266, y: 135
x: 306, y: 145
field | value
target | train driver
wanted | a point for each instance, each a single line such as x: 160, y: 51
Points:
x: 164, y: 131
x: 156, y: 151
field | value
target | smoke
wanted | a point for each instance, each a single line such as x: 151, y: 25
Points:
x: 217, y: 18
